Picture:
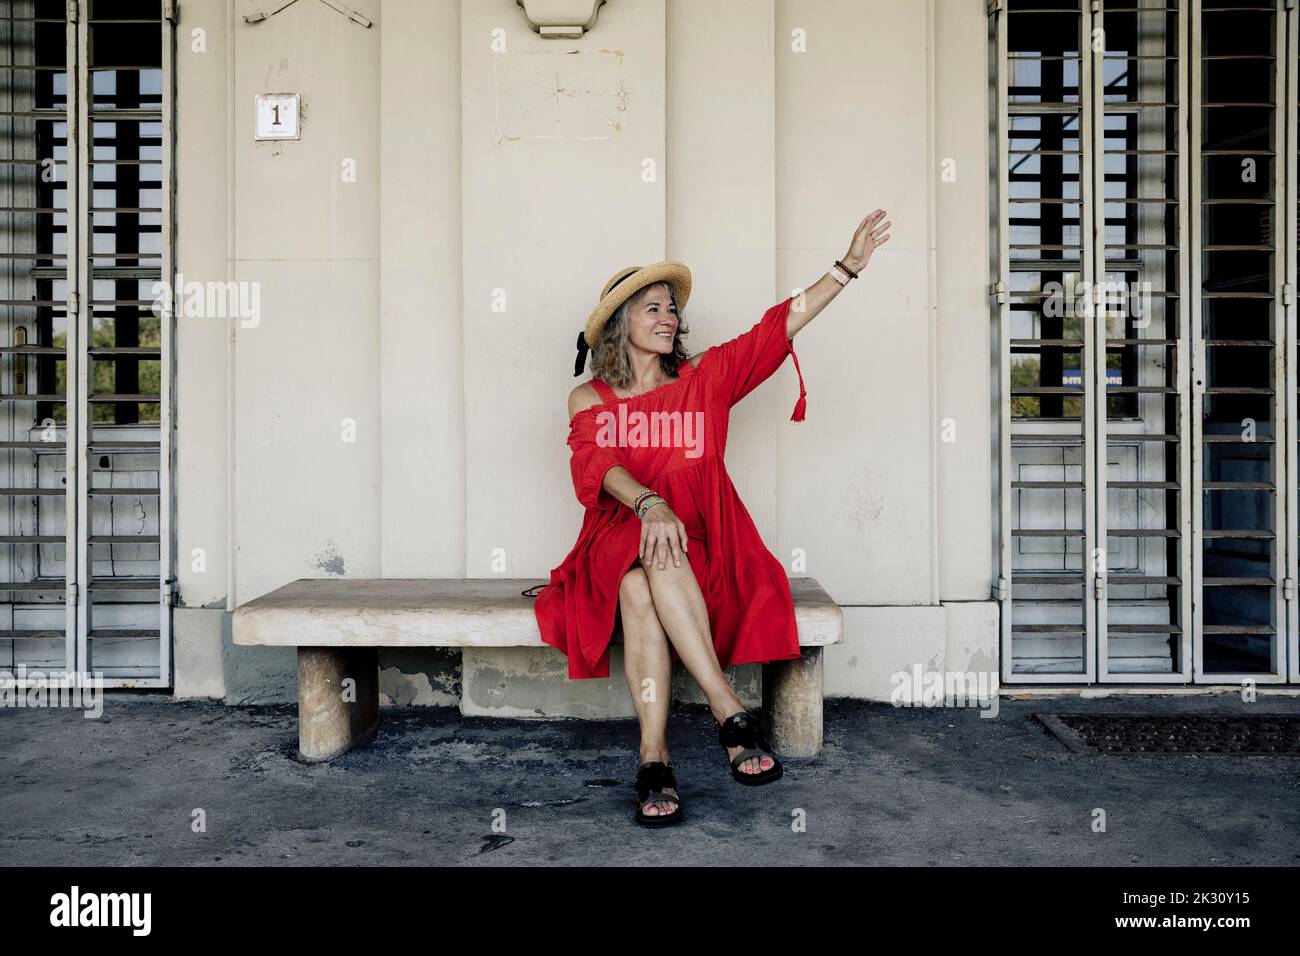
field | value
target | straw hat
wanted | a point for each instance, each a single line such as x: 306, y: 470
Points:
x: 621, y: 288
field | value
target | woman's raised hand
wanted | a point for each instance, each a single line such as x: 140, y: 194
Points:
x: 662, y: 535
x: 871, y: 234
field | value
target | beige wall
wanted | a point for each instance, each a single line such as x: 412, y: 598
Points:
x: 554, y: 203
x: 377, y: 295
x: 422, y: 381
x: 203, y: 168
x: 306, y: 500
x: 852, y: 112
x: 722, y: 135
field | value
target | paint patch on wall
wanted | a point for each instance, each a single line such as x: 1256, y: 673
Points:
x: 330, y: 561
x: 565, y: 95
x: 864, y: 501
x: 419, y: 676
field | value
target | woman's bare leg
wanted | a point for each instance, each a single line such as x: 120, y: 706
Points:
x: 649, y: 669
x: 680, y: 608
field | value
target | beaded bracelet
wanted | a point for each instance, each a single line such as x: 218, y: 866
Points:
x: 649, y: 503
x: 645, y: 494
x: 646, y: 505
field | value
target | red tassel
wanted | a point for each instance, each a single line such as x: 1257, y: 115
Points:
x: 800, y: 406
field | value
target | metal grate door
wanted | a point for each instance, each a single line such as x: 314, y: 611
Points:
x: 1142, y: 299
x: 1046, y: 198
x: 86, y: 392
x: 1290, y: 196
x: 39, y: 342
x: 1140, y: 387
x: 1237, y: 294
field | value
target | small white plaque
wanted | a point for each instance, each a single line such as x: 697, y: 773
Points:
x: 277, y: 115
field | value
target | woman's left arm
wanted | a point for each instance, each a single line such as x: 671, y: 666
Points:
x: 871, y: 234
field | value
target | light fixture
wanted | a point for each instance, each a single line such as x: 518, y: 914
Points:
x: 561, y: 19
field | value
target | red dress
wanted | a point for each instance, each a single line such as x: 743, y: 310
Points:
x: 751, y: 613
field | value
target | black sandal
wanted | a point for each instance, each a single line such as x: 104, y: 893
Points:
x: 742, y: 730
x: 652, y: 779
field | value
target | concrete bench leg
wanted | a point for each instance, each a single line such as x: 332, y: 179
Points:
x: 792, y: 704
x: 331, y: 720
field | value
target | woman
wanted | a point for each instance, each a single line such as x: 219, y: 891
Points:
x: 667, y: 552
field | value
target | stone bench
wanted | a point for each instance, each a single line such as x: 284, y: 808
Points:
x: 339, y: 624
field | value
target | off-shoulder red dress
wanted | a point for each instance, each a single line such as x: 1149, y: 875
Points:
x: 751, y: 613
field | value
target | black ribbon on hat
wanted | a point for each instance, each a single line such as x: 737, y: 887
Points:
x: 583, y: 349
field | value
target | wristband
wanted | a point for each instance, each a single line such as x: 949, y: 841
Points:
x: 840, y: 277
x: 649, y: 503
x: 646, y: 505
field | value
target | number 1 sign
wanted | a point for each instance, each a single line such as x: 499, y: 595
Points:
x: 277, y: 115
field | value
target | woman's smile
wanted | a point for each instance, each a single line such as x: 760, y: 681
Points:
x: 664, y: 334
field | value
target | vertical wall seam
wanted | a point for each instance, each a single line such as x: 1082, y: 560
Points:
x: 778, y: 447
x: 231, y: 536
x: 932, y: 286
x: 464, y: 405
x: 380, y: 516
x: 464, y: 308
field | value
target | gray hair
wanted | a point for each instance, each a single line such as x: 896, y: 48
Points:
x: 611, y: 361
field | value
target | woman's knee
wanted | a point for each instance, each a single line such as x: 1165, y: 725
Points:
x: 668, y: 572
x: 634, y: 592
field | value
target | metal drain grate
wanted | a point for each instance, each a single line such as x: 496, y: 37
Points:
x: 1270, y: 735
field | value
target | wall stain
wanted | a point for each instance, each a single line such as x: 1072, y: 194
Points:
x: 864, y: 500
x: 330, y: 561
